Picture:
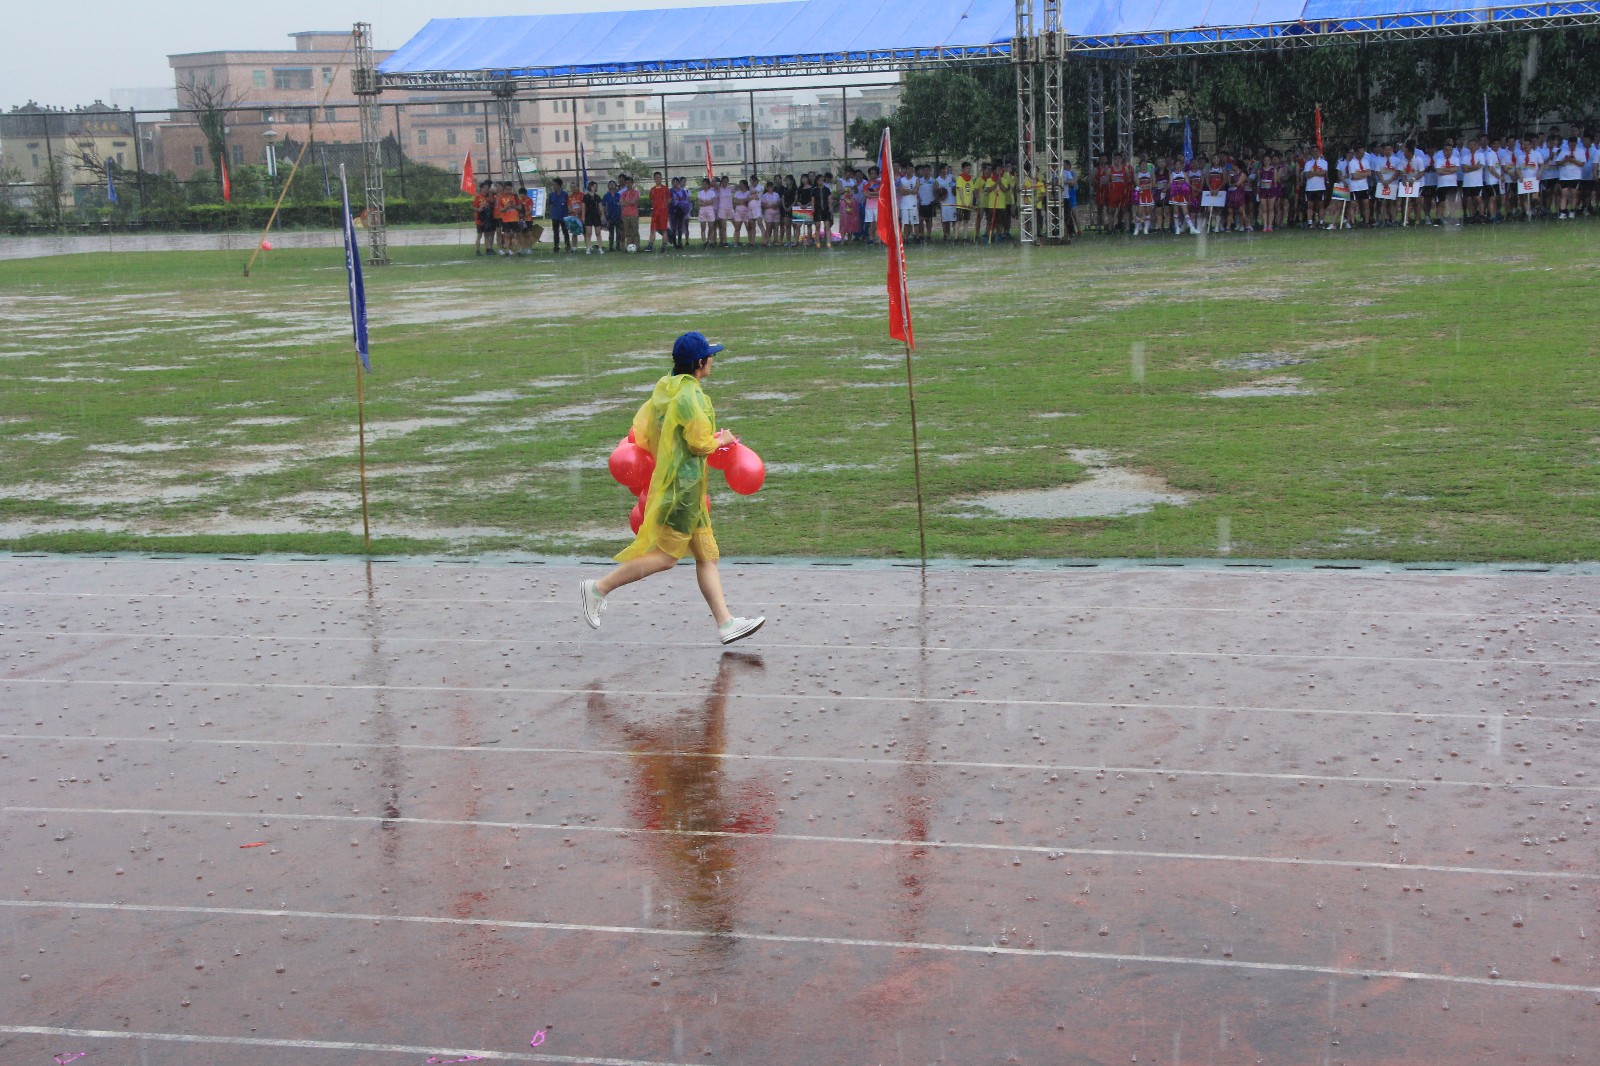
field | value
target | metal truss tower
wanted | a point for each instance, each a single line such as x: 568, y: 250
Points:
x: 1052, y: 63
x: 1096, y: 74
x: 505, y: 94
x: 1122, y: 71
x: 364, y: 82
x: 1023, y: 46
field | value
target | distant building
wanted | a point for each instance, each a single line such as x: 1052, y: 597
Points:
x: 81, y: 141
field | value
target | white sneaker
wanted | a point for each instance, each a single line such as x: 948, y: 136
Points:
x: 737, y: 628
x: 594, y: 605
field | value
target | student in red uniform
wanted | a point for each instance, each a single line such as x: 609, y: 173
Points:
x: 660, y: 206
x: 1119, y: 192
x: 483, y: 219
x: 508, y: 213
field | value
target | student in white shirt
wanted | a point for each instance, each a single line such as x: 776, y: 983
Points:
x: 1316, y: 186
x: 1525, y: 160
x: 1494, y: 159
x: 1390, y: 164
x: 1447, y: 166
x: 1472, y: 163
x: 1550, y: 172
x: 1570, y: 157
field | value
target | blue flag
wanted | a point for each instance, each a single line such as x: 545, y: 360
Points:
x: 583, y: 172
x: 1486, y: 114
x: 111, y: 186
x: 352, y: 266
x: 1188, y: 144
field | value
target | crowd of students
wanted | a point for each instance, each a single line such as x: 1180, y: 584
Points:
x: 1482, y: 179
x: 815, y: 209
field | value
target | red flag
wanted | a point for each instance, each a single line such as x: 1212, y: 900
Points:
x: 469, y: 184
x: 1319, y: 129
x: 227, y: 186
x: 889, y: 234
x: 710, y: 175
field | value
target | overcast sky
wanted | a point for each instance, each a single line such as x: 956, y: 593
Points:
x: 72, y: 54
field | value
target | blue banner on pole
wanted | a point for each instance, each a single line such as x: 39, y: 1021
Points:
x: 352, y: 266
x: 583, y: 172
x: 1188, y: 143
x: 111, y: 186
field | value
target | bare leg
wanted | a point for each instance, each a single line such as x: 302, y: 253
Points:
x: 653, y: 562
x: 705, y: 572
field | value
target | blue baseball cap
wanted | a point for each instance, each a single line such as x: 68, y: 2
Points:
x: 690, y: 348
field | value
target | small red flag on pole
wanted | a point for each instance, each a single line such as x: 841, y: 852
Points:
x: 709, y: 174
x: 889, y: 234
x: 1319, y: 129
x: 900, y: 309
x: 469, y: 183
x: 227, y: 186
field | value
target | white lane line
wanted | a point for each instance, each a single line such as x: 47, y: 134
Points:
x: 780, y: 938
x: 510, y: 690
x: 1112, y: 653
x: 386, y: 599
x: 848, y: 760
x: 1055, y: 767
x: 318, y: 1045
x: 801, y: 838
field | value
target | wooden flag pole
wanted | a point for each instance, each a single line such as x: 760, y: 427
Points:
x: 916, y: 460
x: 361, y: 430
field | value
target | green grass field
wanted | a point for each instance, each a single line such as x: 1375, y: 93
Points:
x: 1431, y: 396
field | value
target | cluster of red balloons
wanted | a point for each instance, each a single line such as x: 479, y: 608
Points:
x: 633, y: 466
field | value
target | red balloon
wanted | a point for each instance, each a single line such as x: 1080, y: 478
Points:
x: 630, y: 436
x: 644, y: 470
x: 622, y: 461
x: 746, y: 472
x: 719, y: 459
x: 632, y: 466
x: 636, y: 516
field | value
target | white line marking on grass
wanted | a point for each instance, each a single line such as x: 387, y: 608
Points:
x: 1247, y: 775
x: 779, y: 938
x: 368, y: 639
x: 318, y: 1045
x: 801, y: 838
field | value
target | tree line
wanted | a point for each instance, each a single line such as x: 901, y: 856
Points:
x: 1365, y: 89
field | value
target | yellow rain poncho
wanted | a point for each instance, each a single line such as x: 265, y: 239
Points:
x: 678, y: 426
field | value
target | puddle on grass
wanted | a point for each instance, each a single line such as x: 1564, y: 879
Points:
x: 494, y: 396
x: 1259, y: 361
x: 1107, y: 492
x: 138, y: 449
x: 1284, y: 386
x: 266, y: 420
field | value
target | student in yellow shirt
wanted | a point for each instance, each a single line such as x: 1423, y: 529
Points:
x: 964, y: 192
x: 1008, y: 199
x: 988, y: 194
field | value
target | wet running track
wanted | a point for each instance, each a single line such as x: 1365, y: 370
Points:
x: 307, y: 812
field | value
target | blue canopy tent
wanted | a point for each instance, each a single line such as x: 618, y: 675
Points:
x: 508, y: 54
x: 801, y: 37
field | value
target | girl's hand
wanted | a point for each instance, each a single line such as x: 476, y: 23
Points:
x: 723, y: 438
